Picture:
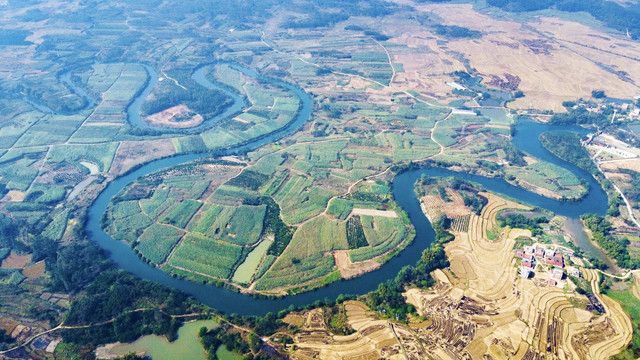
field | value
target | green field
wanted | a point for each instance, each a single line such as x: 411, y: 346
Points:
x: 180, y: 213
x: 156, y: 242
x: 209, y: 257
x: 383, y: 235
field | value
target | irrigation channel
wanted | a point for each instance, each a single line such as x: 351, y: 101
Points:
x: 526, y: 138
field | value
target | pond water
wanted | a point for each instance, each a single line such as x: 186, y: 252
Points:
x: 245, y: 271
x: 186, y: 347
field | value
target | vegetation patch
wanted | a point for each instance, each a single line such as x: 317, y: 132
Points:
x: 355, y: 233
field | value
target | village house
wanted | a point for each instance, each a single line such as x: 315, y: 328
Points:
x: 557, y: 274
x: 549, y: 253
x: 556, y: 260
x: 575, y: 272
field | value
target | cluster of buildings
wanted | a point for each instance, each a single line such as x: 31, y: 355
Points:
x: 611, y: 145
x: 538, y: 254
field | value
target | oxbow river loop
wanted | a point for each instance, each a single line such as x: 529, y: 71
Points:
x: 526, y: 138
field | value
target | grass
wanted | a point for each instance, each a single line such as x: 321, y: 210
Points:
x: 383, y: 234
x: 101, y: 154
x: 494, y: 232
x: 549, y: 176
x: 299, y: 200
x: 156, y: 242
x: 58, y: 225
x: 355, y: 233
x: 210, y: 257
x: 240, y: 225
x: 180, y: 214
x: 96, y: 134
x: 46, y: 194
x: 305, y: 258
x: 157, y: 203
x: 286, y: 273
x: 340, y: 208
x: 249, y: 179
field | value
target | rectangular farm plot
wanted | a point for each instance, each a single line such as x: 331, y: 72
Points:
x: 205, y: 256
x: 132, y: 78
x: 383, y: 235
x: 299, y: 200
x: 180, y: 214
x: 156, y: 242
x: 240, y: 225
x: 157, y: 203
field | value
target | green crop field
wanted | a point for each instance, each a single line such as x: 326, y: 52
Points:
x: 382, y: 237
x: 213, y: 258
x: 156, y: 242
x: 58, y: 225
x: 101, y: 154
x: 549, y: 176
x: 180, y: 214
x: 157, y: 203
x: 299, y: 200
x: 340, y: 208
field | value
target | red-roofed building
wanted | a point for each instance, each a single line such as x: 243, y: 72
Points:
x: 528, y: 257
x: 558, y: 260
x: 527, y: 264
x: 519, y: 253
x: 552, y: 282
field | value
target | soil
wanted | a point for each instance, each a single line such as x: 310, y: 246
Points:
x: 176, y: 117
x: 349, y: 269
x: 373, y: 212
x: 15, y: 261
x: 35, y: 270
x: 15, y: 196
x: 132, y: 153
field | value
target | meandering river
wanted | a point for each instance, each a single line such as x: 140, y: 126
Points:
x: 526, y: 138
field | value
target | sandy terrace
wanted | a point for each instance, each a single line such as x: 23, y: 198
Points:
x: 482, y: 309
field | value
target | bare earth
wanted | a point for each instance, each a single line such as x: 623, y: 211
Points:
x: 132, y: 153
x: 169, y: 118
x: 614, y: 165
x: 15, y: 261
x: 373, y: 212
x: 15, y: 196
x: 349, y: 269
x: 35, y: 270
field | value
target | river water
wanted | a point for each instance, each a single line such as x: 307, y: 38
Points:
x: 526, y: 138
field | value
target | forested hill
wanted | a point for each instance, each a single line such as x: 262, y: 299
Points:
x: 623, y: 18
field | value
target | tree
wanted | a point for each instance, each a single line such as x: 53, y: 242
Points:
x: 254, y: 343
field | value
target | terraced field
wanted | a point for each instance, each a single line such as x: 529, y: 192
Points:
x: 482, y: 307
